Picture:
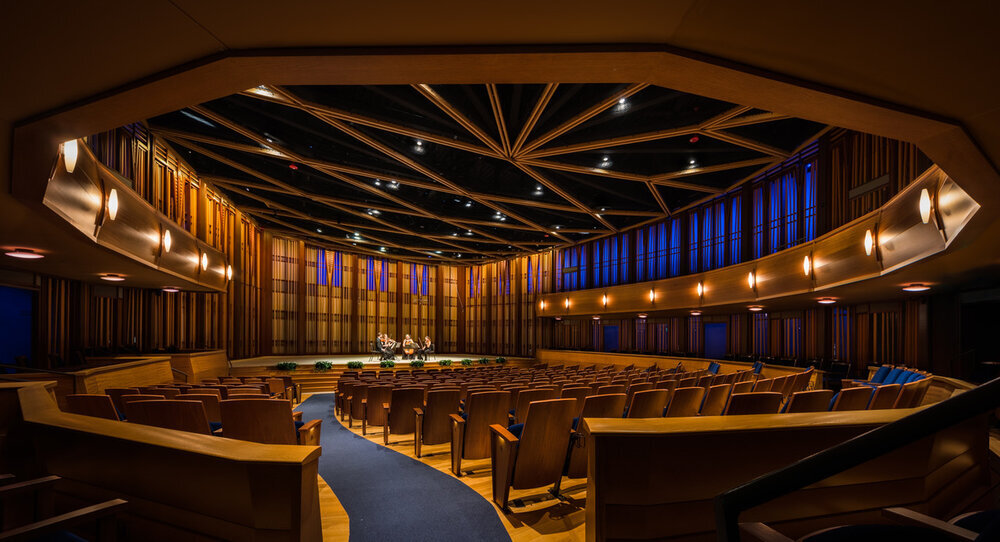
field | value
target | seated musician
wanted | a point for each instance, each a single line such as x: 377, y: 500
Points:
x: 385, y: 346
x: 390, y: 347
x: 426, y: 348
x: 409, y: 347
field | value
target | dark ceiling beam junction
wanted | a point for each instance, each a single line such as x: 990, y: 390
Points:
x: 612, y: 142
x: 564, y: 195
x: 215, y: 179
x: 536, y: 113
x: 724, y: 116
x: 491, y: 91
x: 601, y: 172
x: 586, y: 115
x: 658, y: 197
x: 335, y: 174
x: 456, y: 115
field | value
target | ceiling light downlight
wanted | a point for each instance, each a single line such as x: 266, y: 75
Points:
x: 826, y: 301
x: 916, y: 287
x: 24, y: 254
x: 112, y: 277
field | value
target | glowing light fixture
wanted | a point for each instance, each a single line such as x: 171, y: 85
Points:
x: 695, y: 313
x: 70, y: 152
x: 112, y: 204
x: 229, y: 272
x: 916, y: 287
x: 643, y: 315
x: 171, y: 289
x: 596, y: 317
x: 755, y: 308
x: 167, y: 241
x: 112, y: 277
x: 807, y: 265
x: 541, y: 305
x: 652, y: 295
x: 604, y: 300
x: 566, y: 303
x: 925, y: 205
x: 700, y: 289
x: 751, y: 280
x: 826, y: 301
x: 869, y: 242
x: 24, y: 254
x: 204, y: 261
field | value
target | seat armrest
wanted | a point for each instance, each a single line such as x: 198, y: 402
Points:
x: 310, y: 432
x: 762, y: 533
x: 297, y: 416
x: 503, y: 433
x: 419, y: 411
x: 905, y: 516
x: 848, y: 383
x: 455, y: 418
x: 385, y: 406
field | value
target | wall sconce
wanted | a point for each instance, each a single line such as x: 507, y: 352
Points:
x: 204, y: 261
x: 807, y: 266
x: 229, y: 272
x: 916, y: 287
x: 925, y: 205
x: 167, y: 241
x: 826, y: 301
x: 566, y: 303
x: 695, y: 313
x: 70, y: 153
x: 112, y: 204
x: 652, y: 295
x: 751, y: 280
x: 541, y: 305
x: 604, y: 300
x: 869, y: 242
x: 112, y: 277
x: 700, y: 289
x: 755, y: 308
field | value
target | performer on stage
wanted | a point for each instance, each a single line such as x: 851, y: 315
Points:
x: 388, y: 347
x: 426, y: 349
x: 409, y: 347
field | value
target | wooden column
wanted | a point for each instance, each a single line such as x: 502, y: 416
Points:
x: 353, y: 283
x: 463, y: 295
x: 439, y: 314
x: 300, y: 300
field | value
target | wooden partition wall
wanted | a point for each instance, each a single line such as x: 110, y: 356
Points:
x: 180, y: 486
x: 656, y: 479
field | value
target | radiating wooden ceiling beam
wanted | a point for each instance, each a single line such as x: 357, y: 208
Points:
x: 495, y: 105
x: 318, y: 197
x: 432, y: 96
x: 564, y: 195
x: 536, y: 113
x: 667, y: 179
x: 758, y: 118
x: 724, y: 116
x: 747, y: 143
x: 659, y: 198
x: 580, y: 118
x: 600, y: 172
x: 612, y: 142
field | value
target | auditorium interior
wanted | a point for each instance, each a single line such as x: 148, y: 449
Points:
x: 319, y: 272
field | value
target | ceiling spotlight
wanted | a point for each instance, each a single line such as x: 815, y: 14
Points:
x: 167, y: 241
x: 700, y: 289
x: 394, y: 185
x: 869, y: 242
x: 378, y: 182
x: 807, y: 265
x: 418, y: 147
x: 826, y: 301
x: 24, y: 254
x: 692, y: 163
x: 229, y: 272
x: 112, y: 205
x: 925, y: 205
x: 70, y: 152
x: 916, y: 287
x: 652, y: 295
x: 112, y: 277
x: 566, y: 303
x: 643, y: 315
x: 171, y: 289
x: 437, y: 252
x: 204, y: 261
x: 604, y: 300
x: 622, y: 105
x: 751, y: 280
x: 469, y: 232
x: 468, y: 204
x: 605, y: 162
x: 755, y: 308
x: 381, y: 249
x: 695, y: 313
x: 319, y: 230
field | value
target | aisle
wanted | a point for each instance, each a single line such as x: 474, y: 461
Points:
x: 390, y: 497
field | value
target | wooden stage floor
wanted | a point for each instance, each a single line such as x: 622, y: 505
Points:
x: 265, y: 361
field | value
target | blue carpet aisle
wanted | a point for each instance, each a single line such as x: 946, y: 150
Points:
x: 391, y: 497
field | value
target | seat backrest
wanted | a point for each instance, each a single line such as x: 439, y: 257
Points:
x: 648, y: 404
x: 715, y: 400
x: 852, y: 398
x: 688, y: 382
x: 170, y: 414
x: 802, y: 380
x: 609, y: 405
x: 781, y: 384
x: 686, y: 401
x: 401, y: 418
x: 543, y: 444
x: 610, y: 388
x: 441, y: 404
x: 203, y: 391
x: 579, y: 393
x: 809, y: 401
x: 91, y: 404
x: 669, y: 385
x: 223, y: 389
x: 528, y: 396
x: 377, y: 396
x: 209, y: 400
x: 764, y: 384
x: 880, y: 374
x: 126, y: 399
x: 636, y: 387
x: 483, y: 409
x: 884, y: 397
x: 116, y: 396
x: 358, y: 392
x: 267, y: 422
x: 743, y: 386
x: 275, y: 385
x: 705, y: 380
x: 910, y: 394
x: 763, y: 402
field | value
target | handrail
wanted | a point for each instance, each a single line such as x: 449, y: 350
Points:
x: 187, y: 377
x: 851, y: 453
x: 35, y: 369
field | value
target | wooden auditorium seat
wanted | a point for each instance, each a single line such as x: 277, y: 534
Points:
x: 355, y: 403
x: 171, y: 414
x: 433, y: 421
x: 267, y: 422
x: 126, y: 399
x: 610, y: 388
x: 637, y: 387
x: 763, y: 384
x: 852, y: 398
x: 91, y: 404
x: 809, y: 401
x: 211, y: 403
x: 594, y: 406
x: 648, y: 404
x: 29, y: 514
x: 884, y: 396
x: 470, y: 435
x: 166, y: 392
x: 201, y: 390
x: 715, y: 400
x: 763, y: 402
x: 531, y: 454
x: 579, y: 393
x: 686, y: 401
x: 372, y: 411
x: 116, y: 396
x: 527, y: 397
x: 912, y: 394
x: 743, y: 386
x: 399, y: 411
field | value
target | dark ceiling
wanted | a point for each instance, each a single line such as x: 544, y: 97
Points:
x: 468, y: 172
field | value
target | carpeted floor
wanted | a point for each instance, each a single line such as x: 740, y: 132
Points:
x: 390, y: 497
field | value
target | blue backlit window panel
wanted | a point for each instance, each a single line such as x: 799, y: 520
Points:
x: 321, y: 267
x: 809, y: 201
x: 676, y: 240
x: 735, y: 230
x: 693, y: 234
x: 758, y: 222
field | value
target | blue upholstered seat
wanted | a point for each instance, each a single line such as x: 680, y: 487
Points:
x: 516, y: 429
x: 893, y: 376
x: 714, y: 368
x: 215, y: 426
x: 880, y: 374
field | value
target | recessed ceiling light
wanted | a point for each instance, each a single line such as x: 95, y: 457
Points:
x: 916, y: 287
x: 437, y: 252
x: 171, y: 289
x: 755, y: 308
x: 112, y: 277
x: 418, y: 147
x: 394, y: 185
x: 468, y: 232
x: 468, y: 204
x: 381, y: 249
x: 643, y: 315
x: 378, y: 182
x: 826, y: 301
x: 605, y: 162
x: 24, y: 254
x: 695, y: 313
x: 596, y: 317
x: 319, y: 230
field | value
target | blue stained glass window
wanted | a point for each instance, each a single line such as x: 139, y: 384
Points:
x: 791, y: 197
x: 661, y: 252
x: 640, y: 256
x: 321, y: 267
x: 385, y: 276
x: 706, y: 238
x: 335, y: 276
x: 774, y: 222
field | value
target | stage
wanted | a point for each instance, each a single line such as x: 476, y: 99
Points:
x: 339, y: 359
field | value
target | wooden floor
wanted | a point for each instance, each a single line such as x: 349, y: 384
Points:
x: 537, y: 516
x: 336, y: 525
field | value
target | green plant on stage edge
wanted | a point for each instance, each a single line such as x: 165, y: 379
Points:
x: 286, y: 366
x: 355, y: 365
x: 323, y: 366
x: 444, y: 362
x: 466, y: 362
x: 387, y: 363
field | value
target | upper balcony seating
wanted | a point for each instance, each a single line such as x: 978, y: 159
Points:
x: 887, y: 374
